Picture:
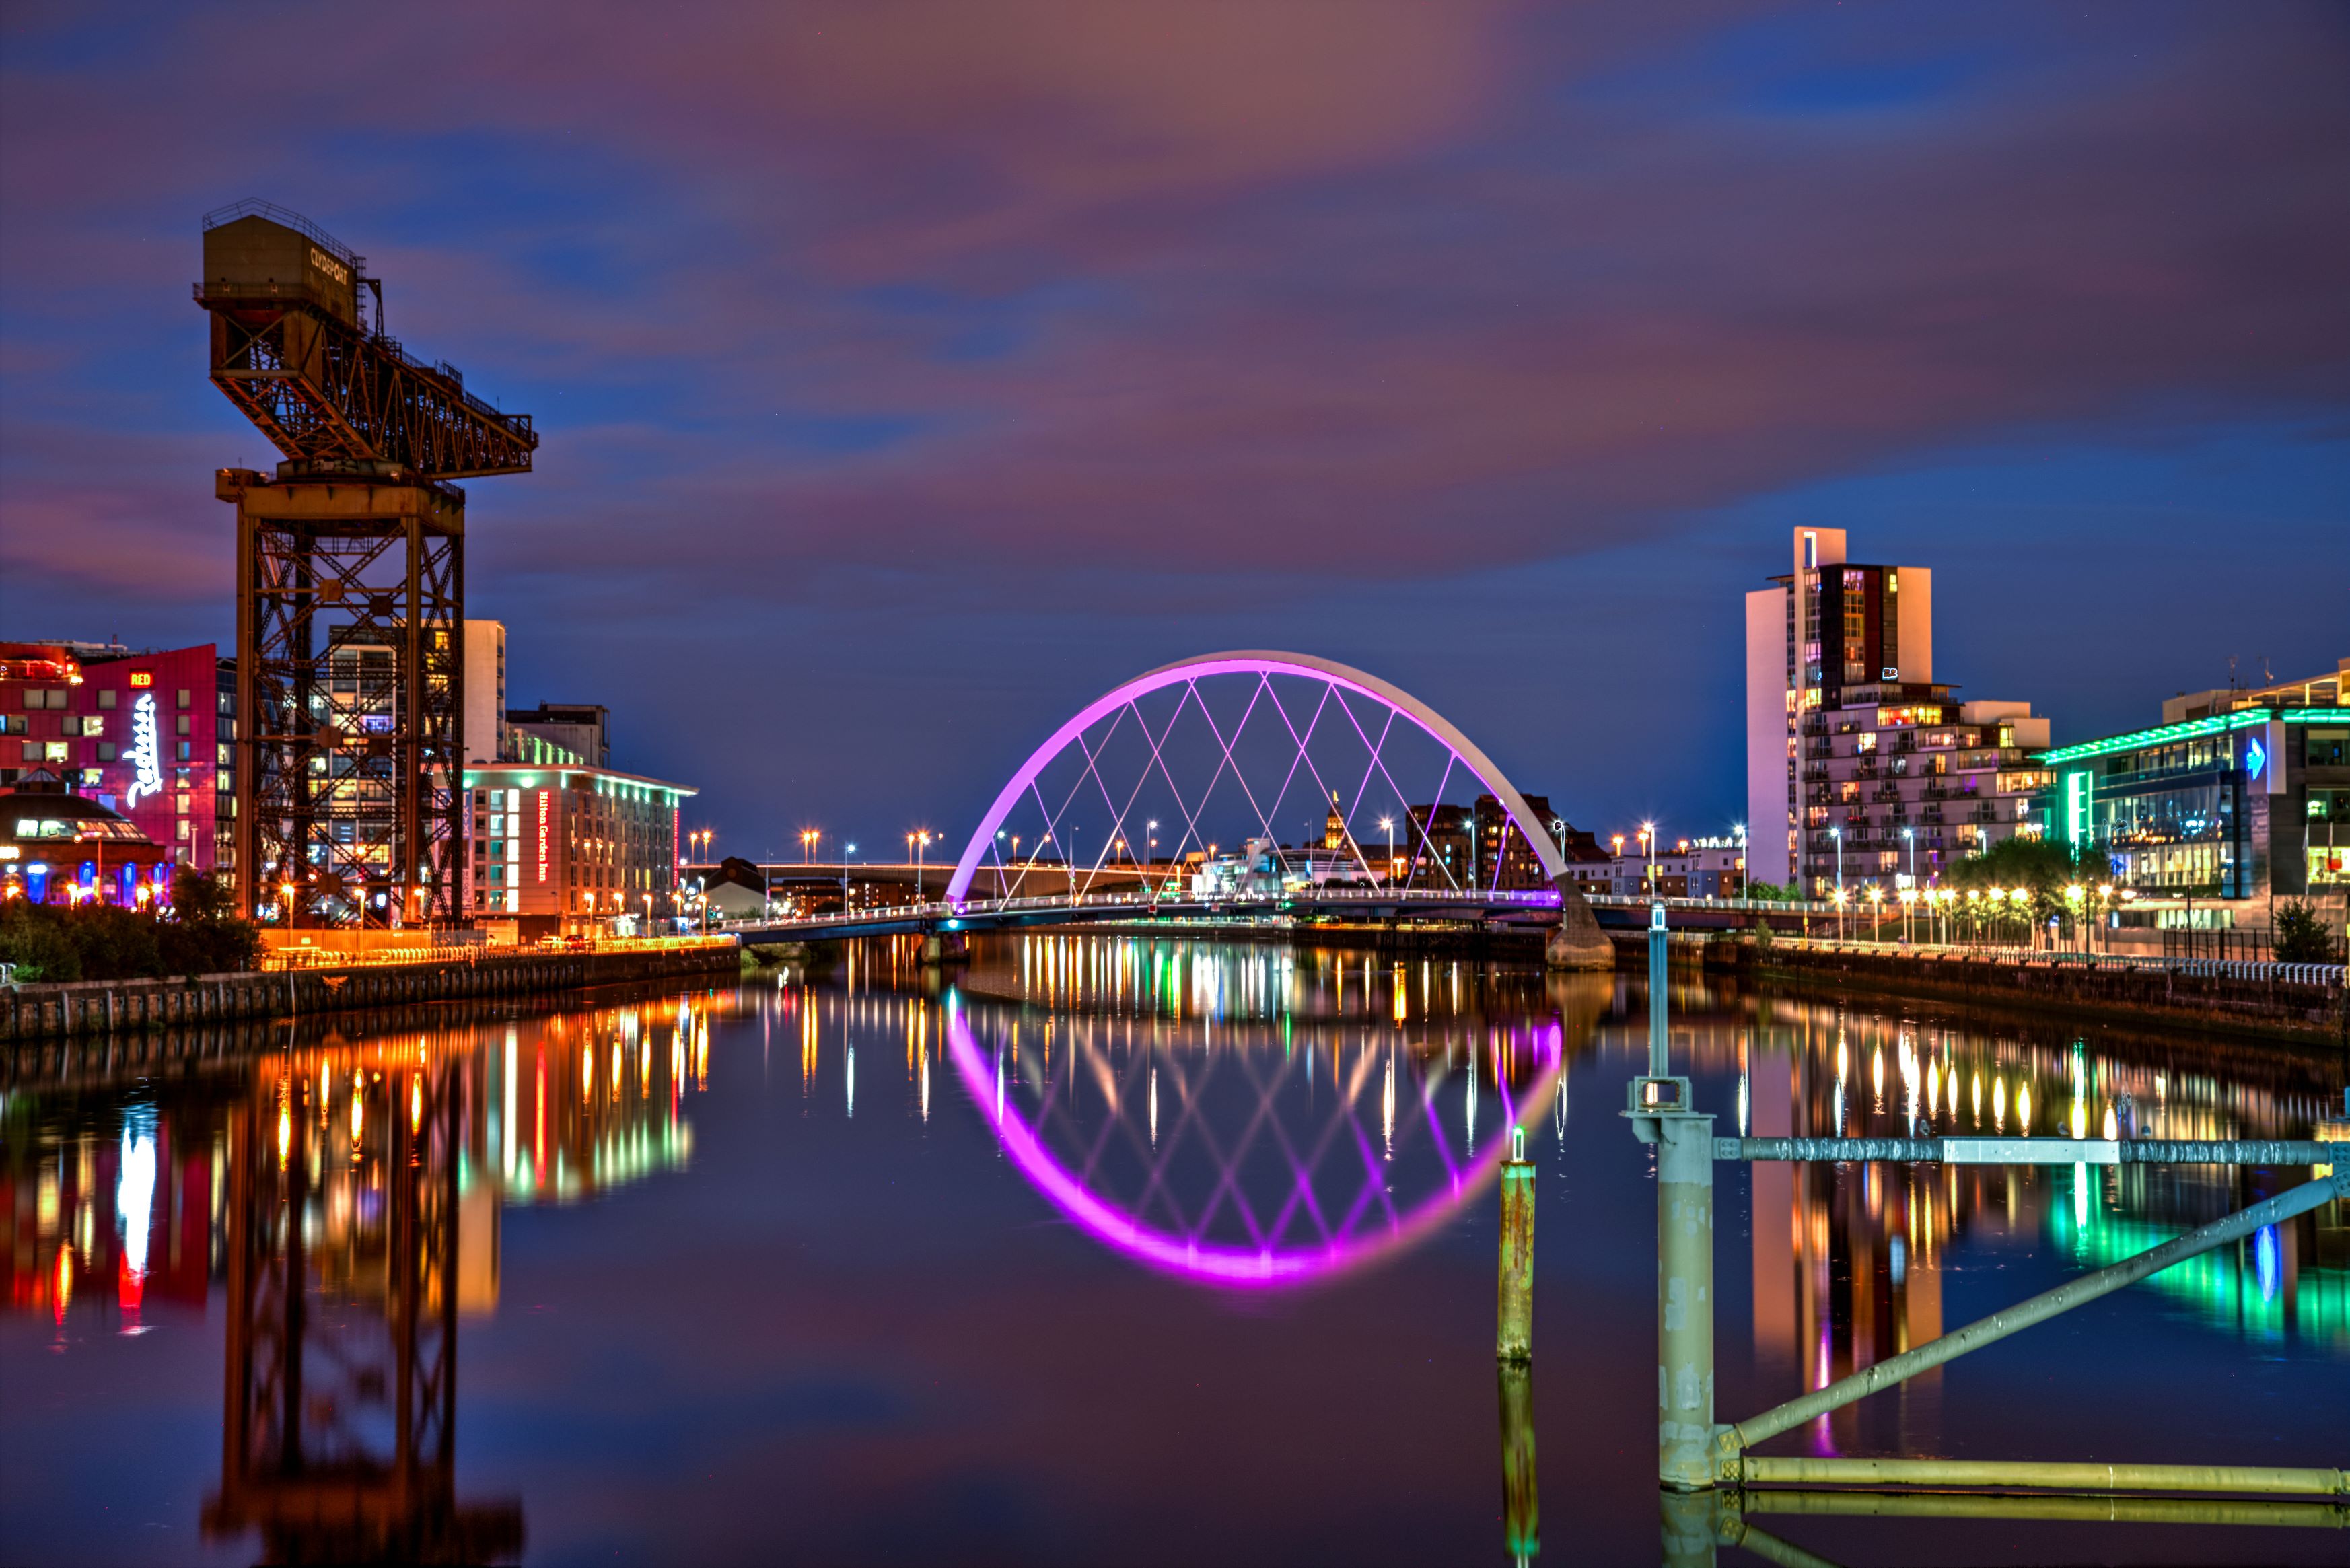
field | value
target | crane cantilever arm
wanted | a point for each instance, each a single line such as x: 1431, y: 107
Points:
x: 321, y: 389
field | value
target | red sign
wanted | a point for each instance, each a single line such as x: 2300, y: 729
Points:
x: 542, y: 834
x: 142, y: 677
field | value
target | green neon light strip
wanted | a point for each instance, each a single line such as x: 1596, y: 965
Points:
x: 2250, y: 717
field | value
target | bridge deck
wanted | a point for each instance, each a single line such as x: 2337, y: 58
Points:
x: 1535, y: 909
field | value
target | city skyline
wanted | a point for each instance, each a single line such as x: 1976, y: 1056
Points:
x: 923, y: 381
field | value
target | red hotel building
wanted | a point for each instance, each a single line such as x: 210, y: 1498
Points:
x: 144, y: 734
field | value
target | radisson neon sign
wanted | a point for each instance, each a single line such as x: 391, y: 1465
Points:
x: 146, y: 764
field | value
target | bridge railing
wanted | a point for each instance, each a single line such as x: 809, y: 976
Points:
x: 2327, y: 974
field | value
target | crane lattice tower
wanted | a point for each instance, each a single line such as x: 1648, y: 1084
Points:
x: 350, y: 581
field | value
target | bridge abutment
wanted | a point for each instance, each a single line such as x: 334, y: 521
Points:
x: 1578, y: 943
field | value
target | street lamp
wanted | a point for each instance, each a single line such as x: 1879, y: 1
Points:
x: 1649, y: 847
x: 809, y: 838
x: 1837, y: 834
x: 847, y: 853
x: 1388, y: 823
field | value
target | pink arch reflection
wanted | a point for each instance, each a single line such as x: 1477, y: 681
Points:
x: 1218, y: 1263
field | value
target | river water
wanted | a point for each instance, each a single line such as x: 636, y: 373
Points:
x: 1108, y: 1250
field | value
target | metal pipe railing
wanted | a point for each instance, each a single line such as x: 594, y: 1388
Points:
x: 1731, y: 1442
x: 1813, y: 1470
x: 2031, y: 1150
x: 2049, y: 1506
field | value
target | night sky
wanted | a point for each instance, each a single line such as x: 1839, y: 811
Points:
x: 909, y: 375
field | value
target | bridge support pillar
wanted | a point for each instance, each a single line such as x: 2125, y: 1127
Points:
x: 945, y: 948
x: 1578, y: 943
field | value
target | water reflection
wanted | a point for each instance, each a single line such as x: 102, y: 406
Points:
x: 1291, y: 1150
x: 344, y: 1195
x: 1849, y: 1261
x: 811, y: 1144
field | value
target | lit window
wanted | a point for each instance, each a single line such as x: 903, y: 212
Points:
x: 53, y: 751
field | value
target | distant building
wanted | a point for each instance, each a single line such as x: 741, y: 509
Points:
x: 485, y: 692
x: 581, y: 729
x: 2238, y: 795
x: 57, y: 847
x: 1860, y: 769
x: 1477, y: 846
x: 1439, y: 847
x: 572, y: 849
x: 1689, y: 868
x: 734, y: 889
x: 144, y: 734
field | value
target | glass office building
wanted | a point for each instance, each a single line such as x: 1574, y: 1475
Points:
x: 2249, y: 798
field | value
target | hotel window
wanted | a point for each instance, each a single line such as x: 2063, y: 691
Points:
x: 106, y: 699
x: 180, y: 802
x: 180, y: 726
x: 187, y: 751
x: 187, y: 698
x: 52, y: 751
x: 186, y: 830
x: 106, y: 751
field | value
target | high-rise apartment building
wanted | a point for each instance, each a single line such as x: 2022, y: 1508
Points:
x: 484, y: 736
x: 1860, y: 769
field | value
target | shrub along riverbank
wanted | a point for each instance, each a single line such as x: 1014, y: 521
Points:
x: 201, y: 934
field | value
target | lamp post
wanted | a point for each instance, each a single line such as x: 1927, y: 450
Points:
x: 1386, y: 823
x: 1648, y: 848
x: 1837, y: 834
x: 1877, y: 911
x: 847, y: 853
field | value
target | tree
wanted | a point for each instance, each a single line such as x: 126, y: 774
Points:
x: 2301, y: 935
x: 2044, y: 868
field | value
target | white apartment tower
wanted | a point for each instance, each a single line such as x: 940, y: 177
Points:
x: 1860, y: 769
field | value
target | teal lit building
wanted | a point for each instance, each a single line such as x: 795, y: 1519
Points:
x: 2238, y: 795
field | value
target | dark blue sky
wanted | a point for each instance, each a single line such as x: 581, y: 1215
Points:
x: 909, y: 375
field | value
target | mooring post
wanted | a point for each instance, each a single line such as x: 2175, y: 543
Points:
x: 1656, y: 1039
x: 1685, y: 1301
x: 1515, y: 1341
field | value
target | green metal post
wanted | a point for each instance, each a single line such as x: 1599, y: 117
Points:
x: 1659, y: 1045
x: 1685, y: 1301
x: 1515, y: 1341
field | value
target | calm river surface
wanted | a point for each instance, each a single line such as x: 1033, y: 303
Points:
x: 1109, y: 1251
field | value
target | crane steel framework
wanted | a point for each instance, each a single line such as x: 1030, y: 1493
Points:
x: 350, y: 581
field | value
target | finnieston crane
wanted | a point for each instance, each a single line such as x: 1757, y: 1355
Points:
x: 350, y: 581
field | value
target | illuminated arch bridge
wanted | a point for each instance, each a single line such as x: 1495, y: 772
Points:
x: 1233, y: 786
